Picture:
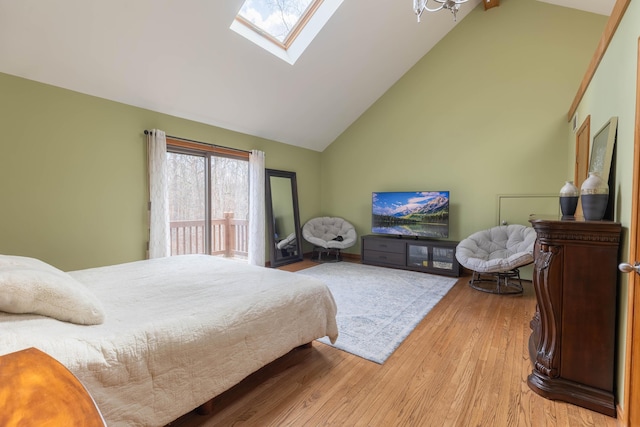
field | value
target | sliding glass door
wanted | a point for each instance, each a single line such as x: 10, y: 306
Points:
x: 208, y: 203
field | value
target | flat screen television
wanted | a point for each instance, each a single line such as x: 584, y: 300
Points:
x: 413, y: 214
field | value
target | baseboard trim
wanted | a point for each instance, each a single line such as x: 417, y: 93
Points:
x: 352, y: 257
x: 620, y: 415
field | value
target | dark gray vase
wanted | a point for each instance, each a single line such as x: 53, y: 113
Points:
x: 568, y: 206
x: 594, y: 206
x: 569, y: 195
x: 594, y: 195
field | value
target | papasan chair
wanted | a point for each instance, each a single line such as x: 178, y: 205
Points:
x: 329, y: 236
x: 288, y: 245
x: 495, y: 255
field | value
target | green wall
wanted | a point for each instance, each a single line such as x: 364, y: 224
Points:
x: 74, y: 177
x: 612, y: 92
x: 482, y: 114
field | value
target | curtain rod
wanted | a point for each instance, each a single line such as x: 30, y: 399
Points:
x: 147, y: 132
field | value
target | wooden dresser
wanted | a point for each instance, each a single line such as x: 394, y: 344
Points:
x: 572, y: 344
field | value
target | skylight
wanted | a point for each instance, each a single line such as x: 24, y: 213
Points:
x: 283, y: 27
x: 277, y: 19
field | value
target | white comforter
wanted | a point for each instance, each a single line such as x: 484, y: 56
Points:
x: 178, y: 331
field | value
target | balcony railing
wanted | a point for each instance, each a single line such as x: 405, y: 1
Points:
x: 229, y: 237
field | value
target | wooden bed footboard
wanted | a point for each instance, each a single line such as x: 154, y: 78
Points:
x: 36, y: 389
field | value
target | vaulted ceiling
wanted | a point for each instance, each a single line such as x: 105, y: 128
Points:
x: 181, y: 58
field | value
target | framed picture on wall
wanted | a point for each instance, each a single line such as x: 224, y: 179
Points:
x: 602, y: 148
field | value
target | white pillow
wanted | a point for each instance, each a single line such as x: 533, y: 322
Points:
x: 28, y: 285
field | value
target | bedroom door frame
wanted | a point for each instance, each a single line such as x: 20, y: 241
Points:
x: 630, y: 412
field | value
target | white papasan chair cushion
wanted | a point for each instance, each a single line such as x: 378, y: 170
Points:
x: 497, y: 249
x: 322, y: 231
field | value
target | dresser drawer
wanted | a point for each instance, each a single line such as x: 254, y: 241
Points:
x: 380, y: 257
x: 385, y: 245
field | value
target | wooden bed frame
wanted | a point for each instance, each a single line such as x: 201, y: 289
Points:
x: 36, y: 389
x: 207, y: 407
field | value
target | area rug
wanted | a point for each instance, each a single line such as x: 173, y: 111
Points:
x: 378, y: 307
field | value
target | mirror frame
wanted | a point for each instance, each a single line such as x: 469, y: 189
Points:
x: 274, y: 260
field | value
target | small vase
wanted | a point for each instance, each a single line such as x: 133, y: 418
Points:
x: 594, y: 195
x: 569, y: 195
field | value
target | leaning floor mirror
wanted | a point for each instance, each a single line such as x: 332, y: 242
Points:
x: 283, y: 218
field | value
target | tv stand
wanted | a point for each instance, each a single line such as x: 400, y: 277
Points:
x: 429, y: 256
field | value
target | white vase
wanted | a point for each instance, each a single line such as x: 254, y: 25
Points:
x: 569, y: 195
x: 594, y: 195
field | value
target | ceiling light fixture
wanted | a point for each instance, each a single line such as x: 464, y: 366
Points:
x: 420, y: 6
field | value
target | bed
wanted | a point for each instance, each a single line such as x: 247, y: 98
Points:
x: 164, y: 336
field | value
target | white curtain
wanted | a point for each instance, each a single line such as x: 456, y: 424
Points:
x: 159, y: 238
x: 256, y: 208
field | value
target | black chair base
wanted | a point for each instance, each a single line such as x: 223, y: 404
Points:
x: 502, y: 283
x: 330, y: 254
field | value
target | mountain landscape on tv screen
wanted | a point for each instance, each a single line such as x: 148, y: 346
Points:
x: 436, y: 206
x: 420, y: 213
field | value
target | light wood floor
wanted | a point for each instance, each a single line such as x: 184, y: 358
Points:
x: 466, y: 364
